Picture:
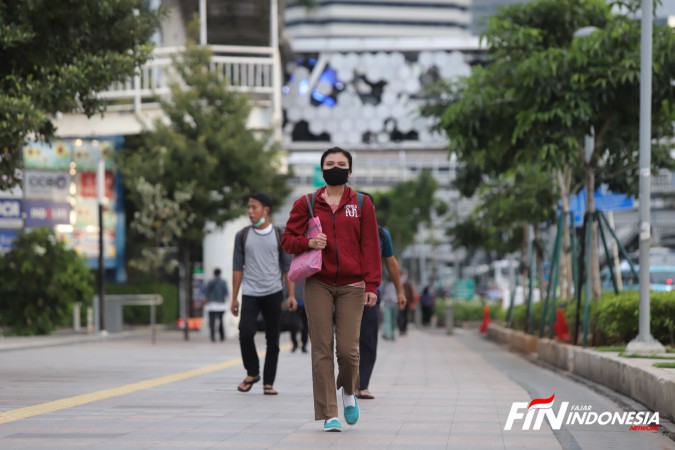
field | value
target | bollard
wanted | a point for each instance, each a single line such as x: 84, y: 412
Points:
x: 90, y: 320
x: 417, y: 313
x: 449, y: 318
x: 76, y: 316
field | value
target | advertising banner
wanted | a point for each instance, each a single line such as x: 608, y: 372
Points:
x: 46, y: 213
x: 86, y: 215
x: 54, y: 185
x: 86, y: 154
x: 7, y: 238
x: 10, y: 213
x: 86, y: 243
x: 55, y: 156
x: 87, y: 184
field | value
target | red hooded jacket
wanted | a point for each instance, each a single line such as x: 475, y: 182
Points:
x: 352, y: 253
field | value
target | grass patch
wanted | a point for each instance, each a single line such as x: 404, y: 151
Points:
x: 668, y: 365
x: 610, y: 348
x: 635, y: 355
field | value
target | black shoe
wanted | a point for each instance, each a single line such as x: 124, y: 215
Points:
x: 295, y: 347
x: 304, y: 350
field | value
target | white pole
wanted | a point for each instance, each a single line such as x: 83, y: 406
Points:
x: 202, y: 22
x: 276, y: 70
x: 645, y: 342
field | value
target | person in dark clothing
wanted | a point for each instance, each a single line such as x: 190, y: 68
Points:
x: 409, y: 293
x: 427, y: 302
x: 371, y: 317
x: 216, y: 294
x: 302, y: 315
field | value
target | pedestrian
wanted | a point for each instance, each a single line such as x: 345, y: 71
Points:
x: 260, y: 268
x: 216, y: 295
x: 403, y: 314
x: 302, y: 319
x: 371, y: 316
x: 427, y: 301
x: 389, y: 310
x: 348, y: 280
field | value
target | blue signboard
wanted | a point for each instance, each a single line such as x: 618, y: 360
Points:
x: 46, y: 213
x: 7, y: 238
x: 10, y: 213
x: 604, y: 201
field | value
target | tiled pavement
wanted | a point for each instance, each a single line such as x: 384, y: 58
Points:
x: 433, y: 391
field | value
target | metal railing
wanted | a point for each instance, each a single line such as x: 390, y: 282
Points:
x: 247, y: 69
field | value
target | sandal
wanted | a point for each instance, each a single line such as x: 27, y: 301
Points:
x: 364, y: 395
x: 248, y: 384
x: 269, y: 390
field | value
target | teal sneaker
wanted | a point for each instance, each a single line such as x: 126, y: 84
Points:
x: 352, y: 413
x: 332, y: 425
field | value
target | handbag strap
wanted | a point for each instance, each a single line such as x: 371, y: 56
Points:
x: 310, y: 204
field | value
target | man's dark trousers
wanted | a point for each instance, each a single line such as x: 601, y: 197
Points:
x: 270, y: 307
x: 368, y: 344
x: 213, y: 316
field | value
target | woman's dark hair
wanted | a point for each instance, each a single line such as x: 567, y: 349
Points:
x: 337, y: 150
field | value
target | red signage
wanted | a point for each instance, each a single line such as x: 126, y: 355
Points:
x: 88, y: 184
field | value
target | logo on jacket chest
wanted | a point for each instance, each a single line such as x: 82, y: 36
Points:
x: 350, y: 211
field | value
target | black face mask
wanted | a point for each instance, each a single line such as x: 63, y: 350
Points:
x: 336, y: 176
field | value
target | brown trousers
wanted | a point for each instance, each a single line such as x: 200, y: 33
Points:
x: 347, y: 302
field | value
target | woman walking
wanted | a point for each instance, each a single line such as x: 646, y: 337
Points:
x: 348, y: 280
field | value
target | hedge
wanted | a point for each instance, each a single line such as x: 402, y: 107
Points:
x: 614, y: 318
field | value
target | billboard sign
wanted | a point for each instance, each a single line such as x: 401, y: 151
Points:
x: 87, y: 184
x: 47, y: 184
x: 46, y: 213
x: 10, y: 213
x: 40, y: 155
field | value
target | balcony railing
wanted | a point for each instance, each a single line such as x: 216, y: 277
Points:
x: 247, y: 69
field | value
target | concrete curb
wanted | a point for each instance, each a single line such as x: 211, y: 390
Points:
x: 635, y: 378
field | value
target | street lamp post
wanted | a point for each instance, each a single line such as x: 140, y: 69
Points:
x: 645, y: 342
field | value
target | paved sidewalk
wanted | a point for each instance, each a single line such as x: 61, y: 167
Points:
x: 432, y: 391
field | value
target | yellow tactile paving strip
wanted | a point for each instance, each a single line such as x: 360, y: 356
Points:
x: 78, y: 400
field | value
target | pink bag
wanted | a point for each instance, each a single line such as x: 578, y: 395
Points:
x: 308, y: 263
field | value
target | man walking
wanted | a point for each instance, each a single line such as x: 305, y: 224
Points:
x: 216, y: 293
x: 371, y: 316
x: 260, y: 268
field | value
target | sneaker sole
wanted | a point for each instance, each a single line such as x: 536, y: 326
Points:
x: 333, y: 429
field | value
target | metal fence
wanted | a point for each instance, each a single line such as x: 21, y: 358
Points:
x: 247, y: 69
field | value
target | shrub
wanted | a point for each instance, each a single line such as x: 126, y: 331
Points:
x: 614, y: 318
x: 40, y: 279
x: 472, y: 310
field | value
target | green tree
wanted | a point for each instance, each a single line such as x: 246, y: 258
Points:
x: 202, y: 164
x: 406, y: 206
x: 56, y: 57
x: 40, y: 279
x: 543, y: 90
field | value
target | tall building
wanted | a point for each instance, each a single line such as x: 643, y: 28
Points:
x: 378, y: 18
x: 482, y: 10
x: 355, y: 78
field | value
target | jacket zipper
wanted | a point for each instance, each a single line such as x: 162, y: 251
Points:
x: 337, y: 256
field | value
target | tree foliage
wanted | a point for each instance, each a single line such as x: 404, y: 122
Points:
x: 56, y: 57
x: 407, y: 205
x: 40, y: 279
x: 202, y: 163
x: 542, y: 90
